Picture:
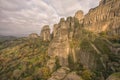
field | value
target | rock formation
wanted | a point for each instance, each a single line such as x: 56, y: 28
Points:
x: 79, y: 15
x: 75, y: 40
x: 60, y: 39
x: 82, y: 47
x: 33, y: 35
x: 104, y: 18
x: 45, y: 33
x: 60, y: 74
x: 55, y: 30
x: 73, y: 76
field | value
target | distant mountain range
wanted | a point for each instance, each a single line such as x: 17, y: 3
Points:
x: 6, y: 38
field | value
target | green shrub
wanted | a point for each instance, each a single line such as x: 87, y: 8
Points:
x: 71, y: 62
x: 87, y: 74
x: 57, y: 62
x: 42, y: 73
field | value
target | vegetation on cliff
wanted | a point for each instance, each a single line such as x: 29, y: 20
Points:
x: 24, y: 58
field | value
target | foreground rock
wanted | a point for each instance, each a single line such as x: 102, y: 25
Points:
x: 59, y: 74
x: 72, y: 76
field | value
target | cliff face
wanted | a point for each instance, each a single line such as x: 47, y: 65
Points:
x: 60, y: 39
x: 104, y: 18
x: 76, y: 40
x: 45, y: 33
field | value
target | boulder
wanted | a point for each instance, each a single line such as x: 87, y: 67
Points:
x: 72, y: 76
x: 59, y: 74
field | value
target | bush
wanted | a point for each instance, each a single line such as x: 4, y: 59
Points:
x: 71, y: 62
x: 42, y: 73
x: 57, y: 62
x: 87, y: 75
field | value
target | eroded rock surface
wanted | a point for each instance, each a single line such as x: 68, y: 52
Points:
x: 60, y: 44
x: 105, y: 17
x: 60, y: 74
x: 72, y: 76
x: 79, y: 15
x: 45, y: 33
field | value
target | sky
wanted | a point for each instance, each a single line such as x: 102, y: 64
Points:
x: 22, y: 17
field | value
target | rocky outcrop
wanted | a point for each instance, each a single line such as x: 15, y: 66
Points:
x: 76, y: 41
x: 79, y: 15
x: 45, y: 33
x: 33, y: 35
x: 60, y: 74
x: 55, y: 27
x: 64, y: 73
x: 90, y: 51
x: 104, y: 18
x: 63, y: 33
x: 72, y: 76
x: 60, y: 39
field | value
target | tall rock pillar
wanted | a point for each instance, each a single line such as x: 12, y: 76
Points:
x: 45, y: 33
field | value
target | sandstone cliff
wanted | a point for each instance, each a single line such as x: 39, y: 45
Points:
x: 45, y: 33
x: 104, y: 18
x: 60, y: 39
x: 77, y: 40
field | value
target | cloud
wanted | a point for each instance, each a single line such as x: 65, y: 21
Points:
x: 24, y: 17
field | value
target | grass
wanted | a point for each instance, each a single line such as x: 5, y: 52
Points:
x: 24, y: 54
